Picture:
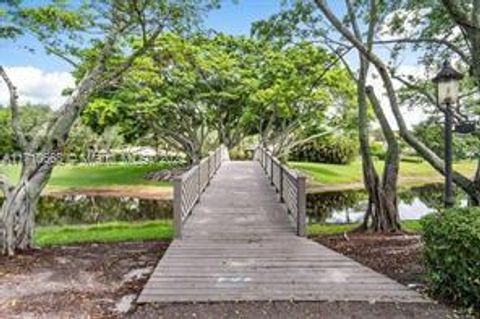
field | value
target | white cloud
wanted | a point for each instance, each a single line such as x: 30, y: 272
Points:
x: 37, y: 86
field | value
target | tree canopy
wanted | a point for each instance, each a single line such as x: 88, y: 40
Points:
x: 189, y: 88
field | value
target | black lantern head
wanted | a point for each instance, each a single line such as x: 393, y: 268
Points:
x: 447, y: 73
x: 447, y: 81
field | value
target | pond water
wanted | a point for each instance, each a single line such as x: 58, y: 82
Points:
x: 82, y: 209
x: 350, y: 206
x: 330, y: 207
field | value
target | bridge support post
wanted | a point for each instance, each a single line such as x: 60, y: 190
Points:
x: 301, y: 209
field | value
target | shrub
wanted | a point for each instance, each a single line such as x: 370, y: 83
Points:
x: 452, y: 254
x: 333, y: 150
x: 240, y: 154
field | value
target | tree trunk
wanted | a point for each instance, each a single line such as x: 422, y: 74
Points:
x: 370, y: 176
x: 382, y: 211
x: 18, y: 219
x: 194, y: 154
x: 17, y: 215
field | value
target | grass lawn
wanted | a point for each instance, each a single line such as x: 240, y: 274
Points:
x: 330, y: 174
x: 331, y: 229
x: 106, y: 232
x: 152, y: 230
x: 95, y: 176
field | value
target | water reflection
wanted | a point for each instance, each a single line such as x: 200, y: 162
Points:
x: 350, y: 206
x: 82, y: 209
x: 330, y: 207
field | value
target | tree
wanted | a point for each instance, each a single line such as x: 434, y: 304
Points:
x: 7, y: 143
x: 122, y: 31
x: 301, y: 91
x: 30, y: 118
x: 301, y: 21
x: 190, y: 87
x: 471, y: 187
x: 83, y: 142
x: 161, y: 95
x: 227, y: 79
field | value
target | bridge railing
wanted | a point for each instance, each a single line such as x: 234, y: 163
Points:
x: 188, y: 187
x: 290, y: 186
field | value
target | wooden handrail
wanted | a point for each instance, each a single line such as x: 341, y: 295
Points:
x: 290, y: 186
x: 188, y: 188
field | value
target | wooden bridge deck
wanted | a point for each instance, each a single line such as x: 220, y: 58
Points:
x: 239, y: 244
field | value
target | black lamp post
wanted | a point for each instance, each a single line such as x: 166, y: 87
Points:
x: 447, y: 94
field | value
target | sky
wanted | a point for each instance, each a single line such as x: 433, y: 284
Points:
x: 41, y: 78
x: 234, y: 17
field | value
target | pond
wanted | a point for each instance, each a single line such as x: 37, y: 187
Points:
x: 349, y: 206
x: 82, y: 209
x: 331, y: 207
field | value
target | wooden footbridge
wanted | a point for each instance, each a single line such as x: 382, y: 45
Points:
x: 241, y: 237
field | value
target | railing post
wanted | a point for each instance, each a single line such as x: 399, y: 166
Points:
x: 199, y: 181
x: 280, y: 187
x: 215, y: 161
x: 264, y: 161
x: 208, y: 169
x: 271, y: 169
x: 301, y: 205
x: 177, y: 206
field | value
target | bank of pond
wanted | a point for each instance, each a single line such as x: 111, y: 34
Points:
x: 336, y: 207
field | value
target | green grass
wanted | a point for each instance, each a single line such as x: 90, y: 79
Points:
x: 152, y: 230
x: 107, y: 232
x: 330, y: 174
x: 70, y: 176
x: 331, y: 229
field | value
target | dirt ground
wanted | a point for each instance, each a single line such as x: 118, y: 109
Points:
x: 294, y: 310
x: 103, y: 280
x: 144, y: 192
x: 86, y: 281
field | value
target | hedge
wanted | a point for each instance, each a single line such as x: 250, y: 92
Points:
x: 452, y: 255
x: 332, y: 150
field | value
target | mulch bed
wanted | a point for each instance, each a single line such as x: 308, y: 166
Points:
x: 89, y: 281
x: 400, y: 257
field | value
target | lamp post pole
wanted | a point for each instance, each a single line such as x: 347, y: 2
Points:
x: 449, y: 196
x: 446, y: 82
